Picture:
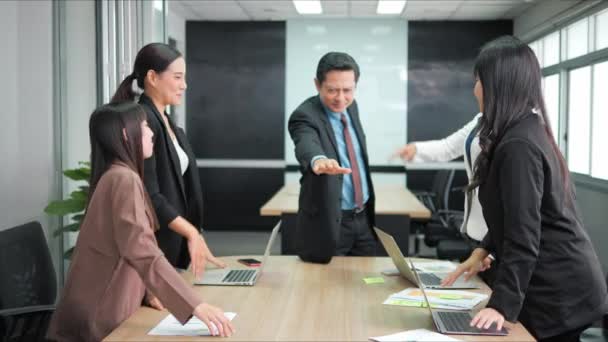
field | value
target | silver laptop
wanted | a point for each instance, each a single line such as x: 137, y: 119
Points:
x: 427, y: 279
x: 238, y: 277
x: 457, y: 322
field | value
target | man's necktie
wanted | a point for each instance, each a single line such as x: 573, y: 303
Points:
x: 352, y: 157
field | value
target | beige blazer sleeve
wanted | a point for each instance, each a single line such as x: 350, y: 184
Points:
x: 137, y: 245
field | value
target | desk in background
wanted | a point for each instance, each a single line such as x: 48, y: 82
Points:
x: 395, y: 207
x: 297, y: 301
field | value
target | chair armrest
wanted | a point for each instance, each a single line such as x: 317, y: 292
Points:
x: 28, y: 323
x: 426, y: 198
x: 451, y: 218
x: 450, y: 212
x: 27, y: 310
x: 458, y: 189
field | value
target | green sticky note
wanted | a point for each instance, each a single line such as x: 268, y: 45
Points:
x: 373, y: 280
x: 404, y: 302
x: 450, y: 296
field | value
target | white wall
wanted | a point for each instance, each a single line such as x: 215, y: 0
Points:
x: 177, y: 30
x: 28, y: 179
x: 26, y: 139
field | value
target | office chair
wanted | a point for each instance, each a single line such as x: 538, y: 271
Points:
x: 27, y: 284
x: 437, y: 198
x: 444, y: 224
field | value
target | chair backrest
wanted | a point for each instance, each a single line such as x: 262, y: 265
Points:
x: 442, y: 185
x: 27, y: 276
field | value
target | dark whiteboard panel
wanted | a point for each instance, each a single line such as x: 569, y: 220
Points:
x: 440, y: 83
x: 440, y: 74
x: 236, y: 89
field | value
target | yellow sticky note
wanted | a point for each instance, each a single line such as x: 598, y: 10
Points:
x: 373, y: 280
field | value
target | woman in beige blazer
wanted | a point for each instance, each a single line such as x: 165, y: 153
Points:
x: 117, y: 263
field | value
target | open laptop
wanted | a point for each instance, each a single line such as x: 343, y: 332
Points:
x: 457, y: 322
x: 427, y: 279
x: 238, y: 277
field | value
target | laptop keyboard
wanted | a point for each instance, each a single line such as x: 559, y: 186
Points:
x: 456, y: 321
x: 239, y: 276
x: 429, y: 279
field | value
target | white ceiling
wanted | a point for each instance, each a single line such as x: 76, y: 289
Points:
x: 414, y: 9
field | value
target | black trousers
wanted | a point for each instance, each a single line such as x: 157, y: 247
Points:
x: 569, y: 336
x: 356, y: 237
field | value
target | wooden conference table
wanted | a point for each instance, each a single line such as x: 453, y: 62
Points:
x: 297, y: 301
x: 395, y: 207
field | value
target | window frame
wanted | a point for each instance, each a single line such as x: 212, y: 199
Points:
x: 563, y: 68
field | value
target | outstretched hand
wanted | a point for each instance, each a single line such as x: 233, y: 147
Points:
x: 329, y: 167
x: 406, y: 152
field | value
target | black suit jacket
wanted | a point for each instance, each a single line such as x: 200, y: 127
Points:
x: 171, y: 193
x: 548, y: 276
x: 319, y: 213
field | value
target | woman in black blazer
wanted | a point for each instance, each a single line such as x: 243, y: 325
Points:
x: 548, y: 276
x: 171, y: 175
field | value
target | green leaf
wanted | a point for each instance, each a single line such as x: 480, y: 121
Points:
x: 84, y: 188
x: 64, y: 207
x: 74, y: 227
x: 80, y: 174
x: 79, y: 195
x: 68, y: 254
x: 85, y: 164
x: 78, y: 218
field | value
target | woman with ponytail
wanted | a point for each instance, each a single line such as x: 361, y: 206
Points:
x: 170, y: 175
x: 117, y: 264
x: 548, y: 275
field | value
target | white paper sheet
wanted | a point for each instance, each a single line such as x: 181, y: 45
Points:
x: 439, y: 299
x: 435, y: 266
x: 413, y: 335
x: 170, y: 326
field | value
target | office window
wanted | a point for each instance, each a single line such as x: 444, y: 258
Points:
x: 551, y: 93
x: 580, y: 126
x: 599, y: 161
x: 158, y: 21
x: 535, y: 46
x: 551, y: 49
x: 601, y: 30
x: 577, y: 38
x: 579, y: 108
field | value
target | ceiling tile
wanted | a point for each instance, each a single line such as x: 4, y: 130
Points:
x: 414, y: 10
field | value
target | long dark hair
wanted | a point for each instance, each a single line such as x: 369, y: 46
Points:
x: 511, y: 81
x: 107, y: 129
x: 154, y: 56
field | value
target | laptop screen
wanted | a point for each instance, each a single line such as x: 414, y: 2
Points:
x: 273, y: 235
x: 426, y: 300
x: 391, y: 247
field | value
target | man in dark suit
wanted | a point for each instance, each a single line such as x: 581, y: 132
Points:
x: 336, y: 205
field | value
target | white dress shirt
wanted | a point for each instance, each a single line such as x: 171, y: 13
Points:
x: 449, y: 148
x: 181, y: 154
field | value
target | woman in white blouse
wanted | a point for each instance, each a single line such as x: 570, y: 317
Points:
x: 464, y: 142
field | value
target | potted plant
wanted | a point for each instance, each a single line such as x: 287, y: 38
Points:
x: 74, y: 205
